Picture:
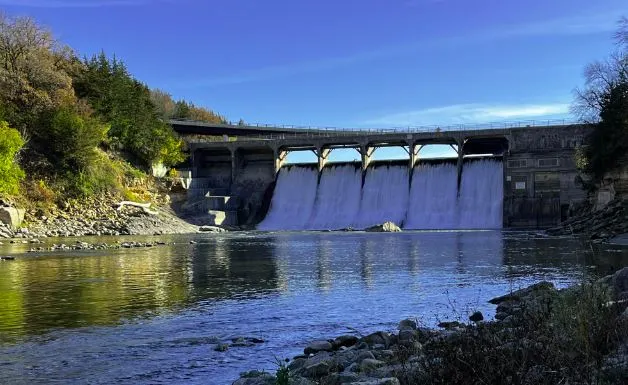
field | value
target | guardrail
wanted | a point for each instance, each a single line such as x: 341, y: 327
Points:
x: 318, y: 132
x: 428, y: 128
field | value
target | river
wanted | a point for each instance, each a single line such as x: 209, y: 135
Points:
x: 154, y: 316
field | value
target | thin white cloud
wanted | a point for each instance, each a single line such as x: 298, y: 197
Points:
x: 471, y: 113
x: 568, y: 26
x: 77, y: 3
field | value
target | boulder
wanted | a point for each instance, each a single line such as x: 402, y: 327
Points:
x: 11, y: 216
x: 541, y: 288
x: 617, y: 283
x: 346, y: 340
x: 377, y: 338
x: 370, y: 364
x: 381, y: 381
x: 318, y: 369
x: 407, y: 324
x: 318, y: 346
x: 387, y: 227
x: 406, y: 335
x: 476, y: 316
x: 364, y: 356
x: 343, y: 378
x: 256, y: 378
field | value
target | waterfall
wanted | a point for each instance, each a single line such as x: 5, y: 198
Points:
x: 384, y: 196
x: 337, y: 198
x: 293, y: 200
x: 433, y: 196
x: 430, y: 200
x: 481, y: 190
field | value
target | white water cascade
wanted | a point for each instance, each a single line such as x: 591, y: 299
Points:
x: 293, y: 200
x: 384, y: 196
x: 431, y: 200
x: 433, y: 196
x: 337, y: 199
x: 480, y: 200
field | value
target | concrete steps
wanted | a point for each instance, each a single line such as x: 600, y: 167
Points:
x: 215, y: 203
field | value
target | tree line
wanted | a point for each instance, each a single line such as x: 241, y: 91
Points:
x: 603, y: 104
x: 62, y: 117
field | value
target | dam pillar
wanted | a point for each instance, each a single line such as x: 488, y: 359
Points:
x: 322, y: 154
x: 235, y: 164
x: 413, y: 152
x: 280, y: 159
x: 193, y: 163
x: 460, y: 162
x: 366, y: 153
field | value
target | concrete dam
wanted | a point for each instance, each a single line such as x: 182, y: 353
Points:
x: 426, y: 198
x: 513, y: 177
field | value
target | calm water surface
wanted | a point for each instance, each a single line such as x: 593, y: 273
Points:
x: 154, y: 316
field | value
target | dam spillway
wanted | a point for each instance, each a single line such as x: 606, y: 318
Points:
x: 429, y: 197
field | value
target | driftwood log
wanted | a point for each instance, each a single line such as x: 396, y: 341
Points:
x: 144, y: 206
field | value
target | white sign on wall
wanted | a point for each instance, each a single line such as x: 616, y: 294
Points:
x: 520, y: 185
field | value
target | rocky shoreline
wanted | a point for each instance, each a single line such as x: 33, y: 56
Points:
x: 540, y: 335
x: 100, y: 216
x: 601, y: 225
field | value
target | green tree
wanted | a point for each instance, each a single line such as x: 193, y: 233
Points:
x: 11, y: 174
x: 71, y: 139
x: 181, y: 110
x: 603, y: 103
x: 136, y: 125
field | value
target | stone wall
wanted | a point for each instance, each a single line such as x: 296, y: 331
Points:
x: 254, y: 175
x: 540, y: 177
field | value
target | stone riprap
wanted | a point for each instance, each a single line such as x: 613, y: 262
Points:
x: 414, y: 354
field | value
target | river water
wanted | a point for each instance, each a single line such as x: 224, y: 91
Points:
x: 154, y: 316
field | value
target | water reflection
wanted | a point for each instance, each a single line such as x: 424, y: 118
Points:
x: 284, y: 287
x: 45, y: 292
x: 323, y: 265
x: 61, y: 291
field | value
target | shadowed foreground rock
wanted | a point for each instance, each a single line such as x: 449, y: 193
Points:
x: 540, y: 335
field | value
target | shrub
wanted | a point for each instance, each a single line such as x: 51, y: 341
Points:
x: 70, y: 140
x: 556, y: 338
x: 11, y: 174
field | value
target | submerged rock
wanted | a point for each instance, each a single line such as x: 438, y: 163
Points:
x: 387, y: 227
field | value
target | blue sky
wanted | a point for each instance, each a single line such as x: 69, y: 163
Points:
x: 368, y: 63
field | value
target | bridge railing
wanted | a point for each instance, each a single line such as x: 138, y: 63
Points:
x: 318, y: 132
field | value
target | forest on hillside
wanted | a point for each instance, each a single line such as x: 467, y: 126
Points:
x: 73, y: 126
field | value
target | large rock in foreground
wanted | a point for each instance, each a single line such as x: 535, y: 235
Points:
x: 388, y: 227
x: 617, y: 283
